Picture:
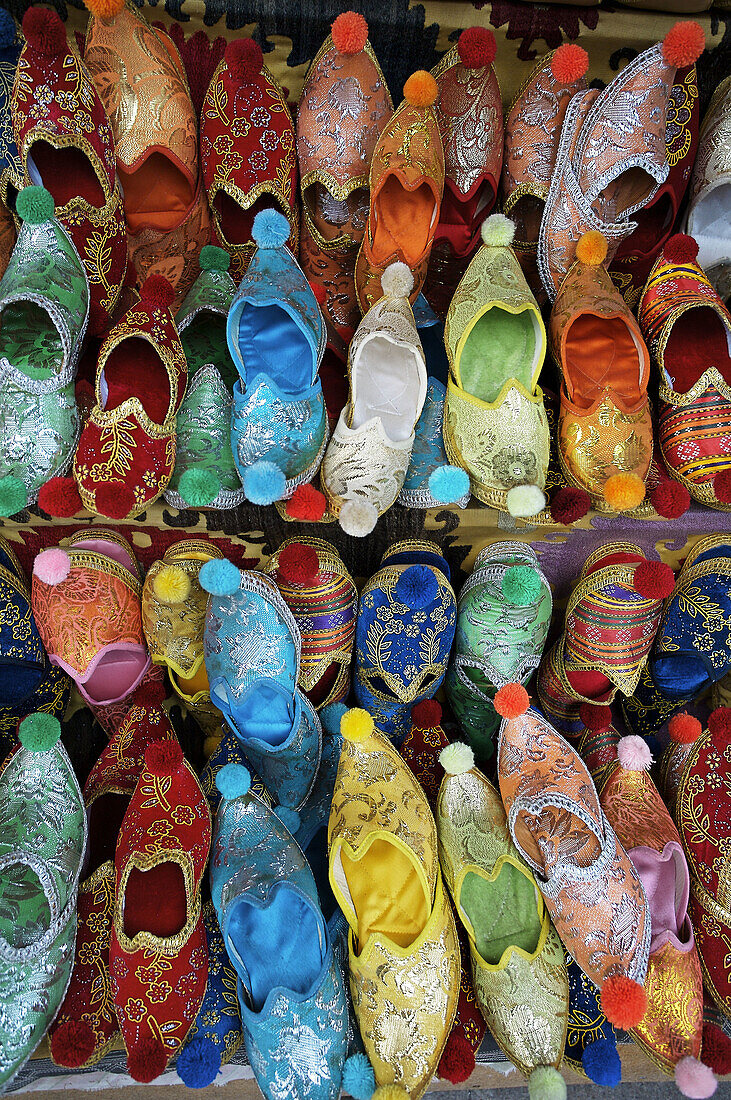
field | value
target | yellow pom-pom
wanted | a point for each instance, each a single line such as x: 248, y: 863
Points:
x: 592, y: 248
x: 171, y: 585
x: 421, y: 90
x: 390, y: 1092
x: 104, y: 9
x: 623, y: 492
x: 356, y: 724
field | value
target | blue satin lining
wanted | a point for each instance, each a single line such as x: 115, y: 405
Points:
x: 272, y: 343
x: 265, y: 712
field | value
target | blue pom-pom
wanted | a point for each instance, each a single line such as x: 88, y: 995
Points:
x: 8, y: 30
x: 358, y: 1079
x: 263, y: 482
x: 601, y: 1063
x: 289, y: 818
x: 199, y: 1063
x: 270, y: 229
x: 448, y: 484
x: 417, y: 587
x: 220, y: 577
x: 233, y: 781
x: 330, y: 717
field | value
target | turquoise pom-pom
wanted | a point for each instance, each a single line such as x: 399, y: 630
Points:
x: 521, y: 585
x: 289, y: 818
x: 330, y: 717
x: 233, y: 781
x: 199, y: 1063
x: 270, y: 229
x: 601, y: 1063
x: 263, y: 482
x: 34, y: 205
x: 8, y: 30
x: 13, y: 495
x: 39, y: 732
x: 358, y: 1079
x: 416, y: 587
x: 198, y: 487
x: 448, y: 484
x: 220, y: 577
x: 213, y: 258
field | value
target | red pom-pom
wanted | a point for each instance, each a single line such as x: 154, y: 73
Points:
x: 680, y: 249
x: 427, y: 714
x: 670, y: 499
x: 298, y: 564
x: 458, y: 1059
x: 719, y: 722
x: 44, y: 32
x: 72, y: 1044
x: 60, y: 497
x: 146, y: 1060
x: 114, y: 500
x: 319, y: 291
x: 244, y: 59
x: 570, y: 504
x: 569, y: 63
x: 594, y: 717
x: 306, y: 503
x: 624, y: 1001
x: 163, y: 758
x: 349, y: 33
x: 683, y: 44
x: 722, y: 487
x: 476, y: 47
x: 511, y: 700
x: 716, y: 1049
x: 654, y: 580
x: 157, y: 292
x: 684, y: 729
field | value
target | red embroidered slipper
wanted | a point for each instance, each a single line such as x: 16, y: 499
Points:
x: 158, y: 959
x: 126, y: 454
x: 86, y: 1025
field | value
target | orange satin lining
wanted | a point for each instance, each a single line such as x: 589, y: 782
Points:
x: 403, y: 221
x: 157, y: 193
x: 387, y: 894
x: 195, y: 683
x: 599, y: 354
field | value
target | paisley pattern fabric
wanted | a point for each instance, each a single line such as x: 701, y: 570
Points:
x: 173, y: 253
x: 38, y: 431
x: 203, y: 438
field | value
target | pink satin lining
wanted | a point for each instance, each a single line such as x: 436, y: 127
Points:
x: 666, y: 881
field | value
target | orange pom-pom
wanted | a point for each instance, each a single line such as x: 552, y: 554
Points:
x: 306, y: 503
x: 592, y: 248
x: 349, y: 33
x: 511, y: 700
x: 244, y: 59
x: 104, y: 9
x: 420, y: 90
x: 624, y: 1001
x: 624, y: 491
x: 683, y: 44
x: 684, y: 729
x: 476, y: 47
x: 569, y: 63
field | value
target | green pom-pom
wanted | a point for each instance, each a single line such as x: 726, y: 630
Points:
x: 521, y: 585
x: 13, y: 495
x: 39, y: 732
x: 35, y: 205
x: 199, y: 487
x: 546, y: 1083
x: 213, y: 258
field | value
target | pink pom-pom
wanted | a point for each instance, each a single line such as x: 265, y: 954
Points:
x: 694, y: 1079
x: 634, y: 754
x: 52, y: 566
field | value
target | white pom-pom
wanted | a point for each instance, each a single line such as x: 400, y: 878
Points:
x: 525, y: 500
x: 397, y: 280
x: 497, y: 231
x: 457, y: 758
x: 634, y: 754
x: 358, y: 518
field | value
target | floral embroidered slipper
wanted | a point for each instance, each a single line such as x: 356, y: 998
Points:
x: 591, y: 1041
x: 708, y: 186
x: 612, y: 617
x: 86, y: 1025
x: 248, y: 151
x: 11, y: 166
x: 321, y: 594
x: 591, y: 888
x: 404, y: 957
x: 205, y: 474
x: 503, y: 616
x: 516, y: 957
x: 155, y: 131
x: 86, y: 601
x: 157, y: 952
x: 42, y: 842
x: 44, y: 308
x: 688, y: 331
x: 252, y: 649
x: 469, y: 114
x: 291, y: 990
x: 66, y: 145
x: 404, y: 634
x: 406, y: 183
x: 365, y: 465
x: 495, y: 424
x: 342, y: 110
x: 276, y: 337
